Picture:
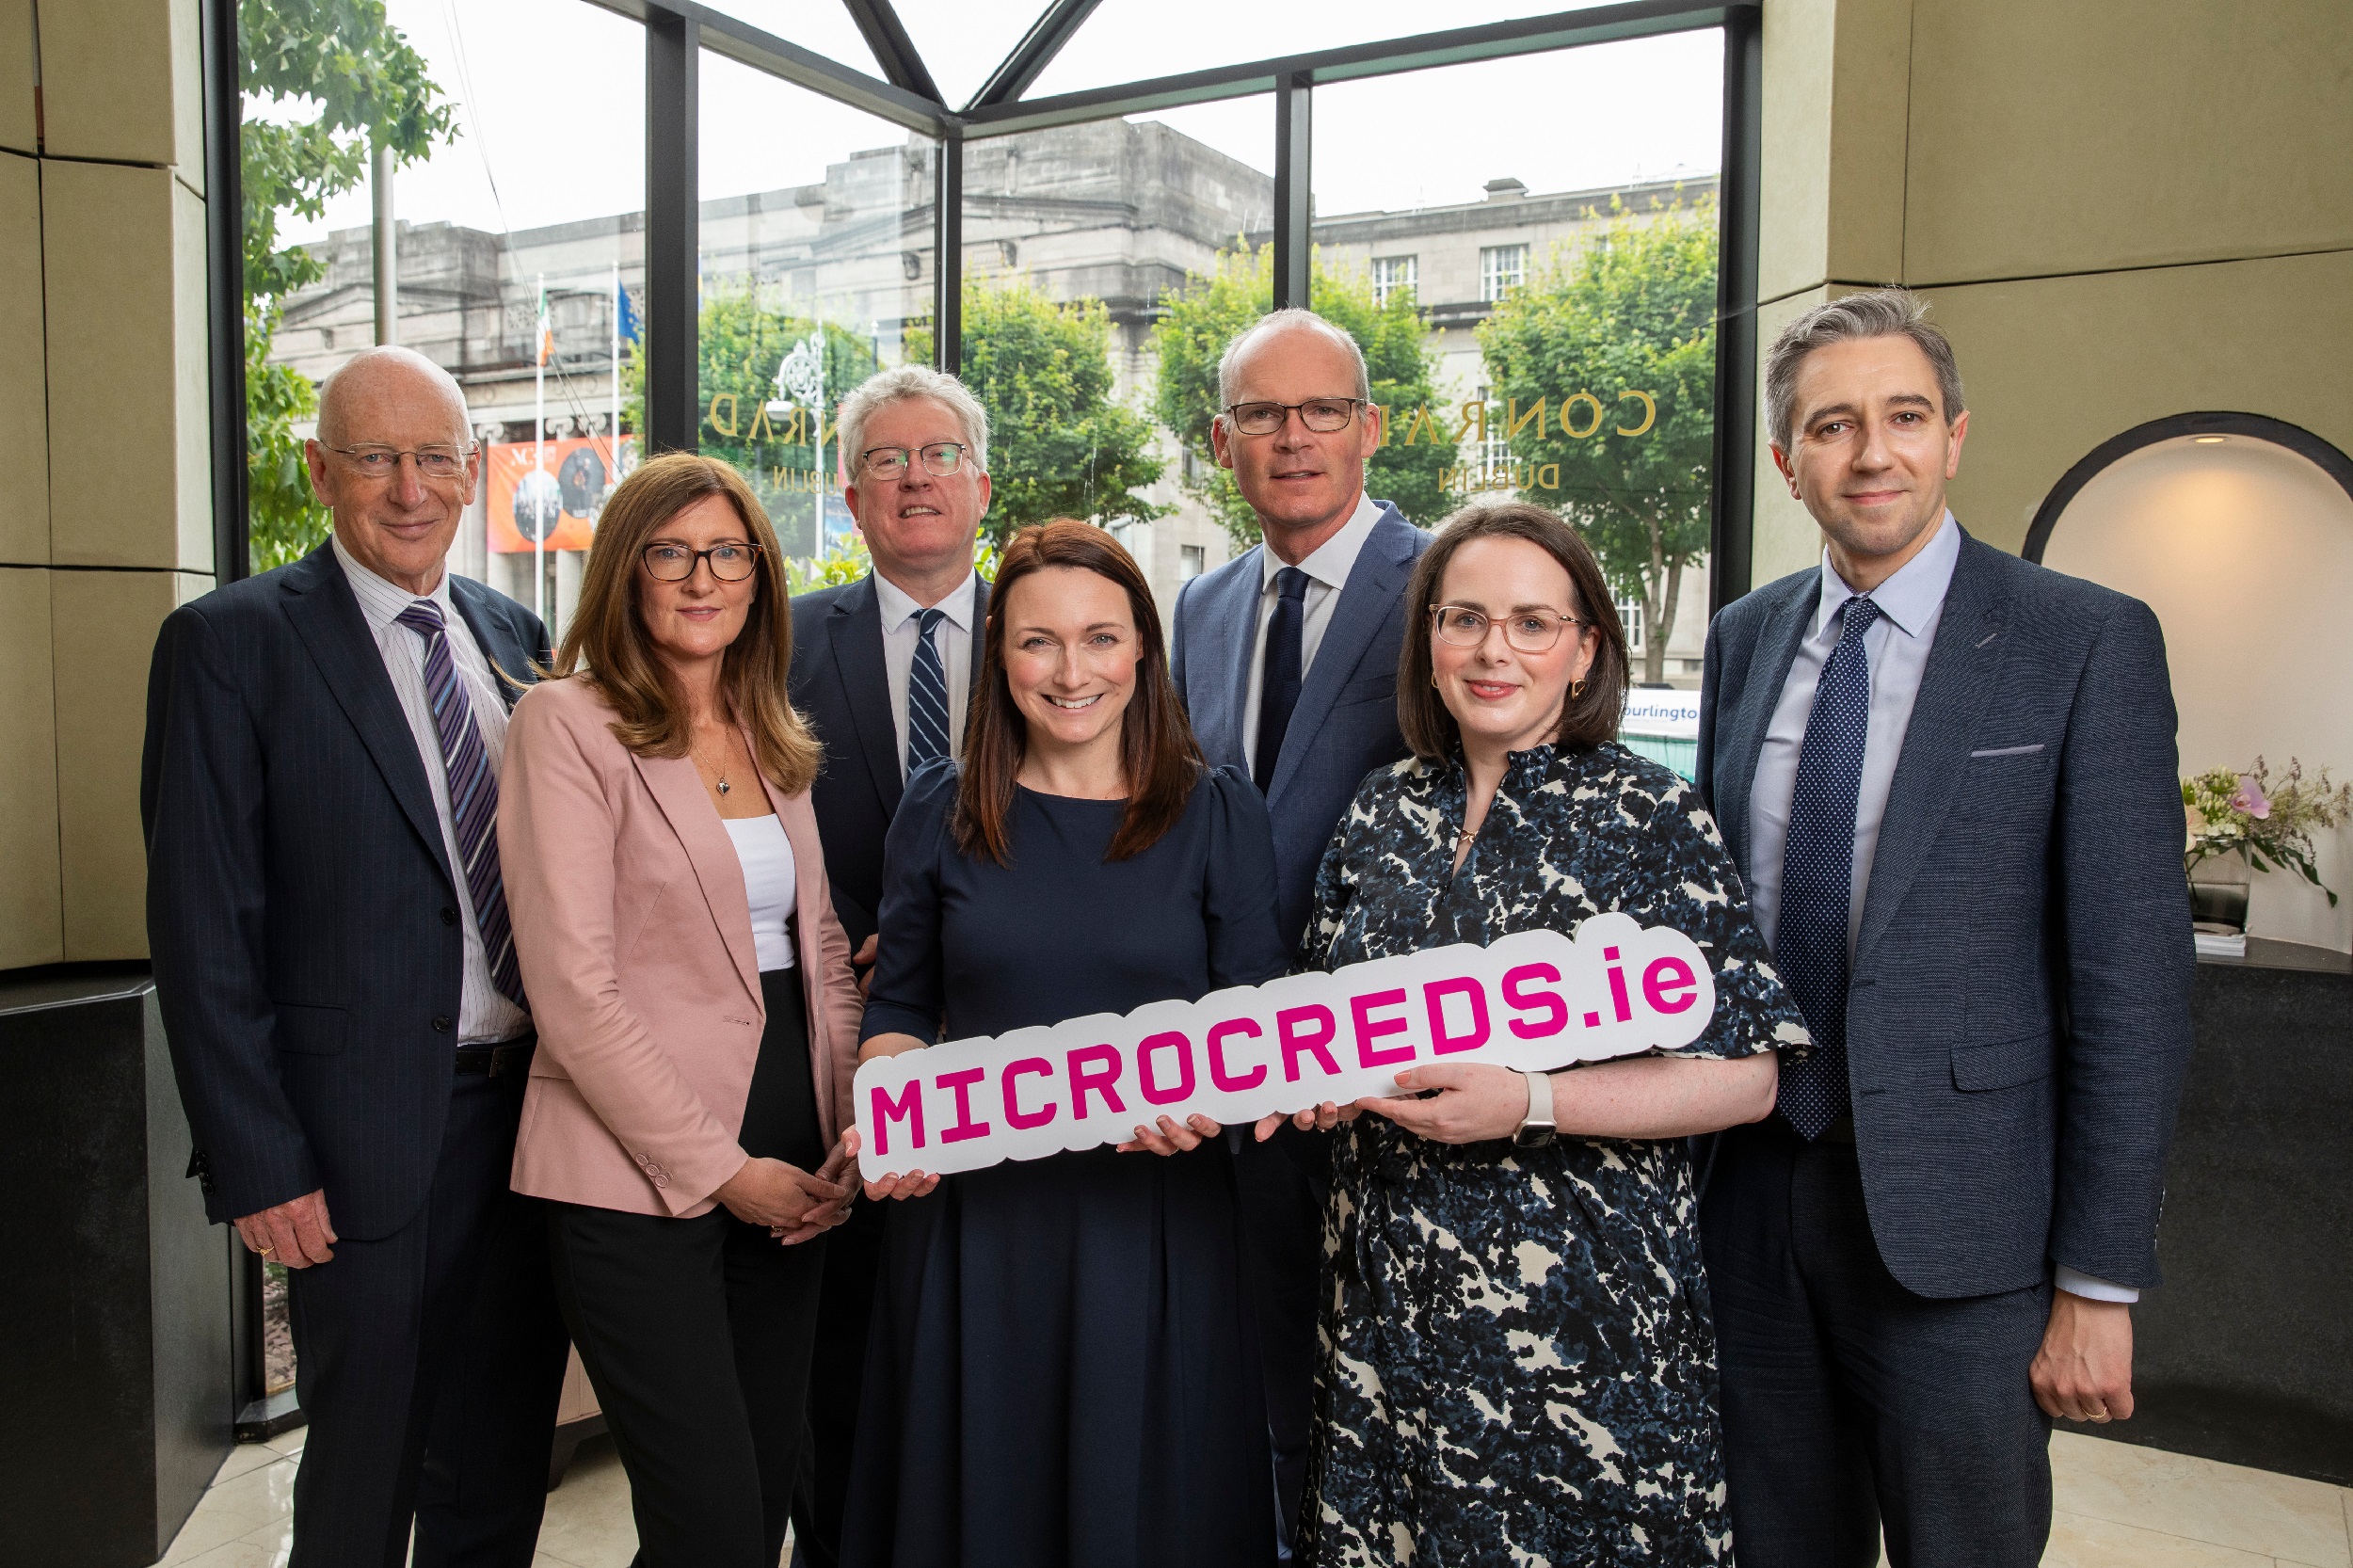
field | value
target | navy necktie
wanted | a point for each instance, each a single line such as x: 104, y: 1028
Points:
x: 1278, y: 687
x: 473, y: 796
x: 1818, y: 875
x: 928, y: 695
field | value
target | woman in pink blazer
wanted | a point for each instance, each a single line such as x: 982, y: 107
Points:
x: 698, y: 1020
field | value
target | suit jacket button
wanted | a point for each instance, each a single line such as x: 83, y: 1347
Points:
x: 449, y: 916
x: 441, y: 1026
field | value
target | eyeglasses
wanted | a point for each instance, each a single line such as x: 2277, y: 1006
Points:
x: 1322, y: 415
x: 383, y: 462
x: 675, y: 562
x: 941, y: 460
x: 1527, y: 631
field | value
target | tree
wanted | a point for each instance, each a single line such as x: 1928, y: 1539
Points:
x: 371, y: 89
x: 1060, y: 444
x: 1620, y: 338
x: 1238, y: 289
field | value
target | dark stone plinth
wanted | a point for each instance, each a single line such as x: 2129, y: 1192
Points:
x: 115, y: 1323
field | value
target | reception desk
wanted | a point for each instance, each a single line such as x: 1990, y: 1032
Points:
x: 2246, y: 1353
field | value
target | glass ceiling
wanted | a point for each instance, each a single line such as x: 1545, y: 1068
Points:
x: 820, y: 26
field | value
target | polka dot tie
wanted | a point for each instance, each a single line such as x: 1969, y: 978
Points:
x: 1818, y: 875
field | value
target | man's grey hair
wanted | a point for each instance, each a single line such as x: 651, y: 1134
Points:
x: 904, y: 384
x: 1283, y: 320
x: 1889, y: 313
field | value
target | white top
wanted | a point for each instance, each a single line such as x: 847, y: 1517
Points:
x: 901, y: 629
x: 1911, y: 603
x: 483, y: 1013
x: 1327, y: 570
x: 767, y: 858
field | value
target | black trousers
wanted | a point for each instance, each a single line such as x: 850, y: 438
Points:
x: 429, y: 1363
x: 696, y: 1335
x: 1850, y: 1404
x: 845, y: 1311
x: 1282, y: 1185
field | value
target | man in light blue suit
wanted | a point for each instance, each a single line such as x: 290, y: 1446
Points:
x: 1286, y: 659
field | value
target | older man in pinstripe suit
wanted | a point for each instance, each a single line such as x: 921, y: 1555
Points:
x: 339, y: 984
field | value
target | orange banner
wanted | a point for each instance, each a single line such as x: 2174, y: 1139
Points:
x: 562, y: 503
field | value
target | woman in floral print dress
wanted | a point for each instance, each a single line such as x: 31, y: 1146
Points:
x: 1517, y: 1363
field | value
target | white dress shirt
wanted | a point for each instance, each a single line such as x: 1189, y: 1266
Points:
x: 767, y: 856
x: 902, y: 628
x: 1327, y: 572
x: 1911, y: 603
x: 483, y: 1013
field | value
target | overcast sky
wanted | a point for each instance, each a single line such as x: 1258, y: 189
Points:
x: 550, y: 101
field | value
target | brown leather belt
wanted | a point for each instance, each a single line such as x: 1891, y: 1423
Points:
x: 500, y: 1060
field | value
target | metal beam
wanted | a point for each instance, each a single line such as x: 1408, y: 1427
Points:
x: 224, y: 258
x: 1294, y: 190
x: 746, y: 44
x: 1034, y: 52
x: 893, y: 50
x: 1458, y: 46
x: 673, y: 214
x: 947, y: 257
x: 1732, y: 473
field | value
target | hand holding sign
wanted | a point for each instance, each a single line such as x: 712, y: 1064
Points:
x: 1534, y: 1001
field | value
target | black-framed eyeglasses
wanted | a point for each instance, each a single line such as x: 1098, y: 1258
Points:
x: 941, y: 460
x: 675, y: 562
x: 1322, y: 415
x: 1527, y: 631
x: 383, y: 462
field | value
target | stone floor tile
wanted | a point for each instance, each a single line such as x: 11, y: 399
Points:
x: 2201, y: 1499
x: 234, y: 1554
x: 2077, y: 1542
x: 234, y: 1508
x: 274, y: 1538
x: 244, y: 1457
x: 588, y: 1523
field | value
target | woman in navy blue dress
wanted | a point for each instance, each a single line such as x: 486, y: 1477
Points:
x: 1061, y: 1370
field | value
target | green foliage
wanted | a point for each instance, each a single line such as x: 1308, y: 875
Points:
x: 1633, y: 311
x: 368, y: 87
x: 848, y: 562
x: 1059, y: 444
x: 1238, y: 289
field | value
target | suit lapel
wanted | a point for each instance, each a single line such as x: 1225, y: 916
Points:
x: 1770, y: 658
x: 325, y: 616
x: 677, y: 789
x: 1234, y: 625
x: 1954, y: 688
x: 854, y: 634
x: 511, y: 663
x: 1375, y: 589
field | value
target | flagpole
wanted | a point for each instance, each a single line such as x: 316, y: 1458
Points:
x: 617, y: 372
x: 539, y: 461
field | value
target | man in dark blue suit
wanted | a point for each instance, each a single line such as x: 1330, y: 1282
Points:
x: 882, y: 669
x: 1948, y: 778
x: 1287, y: 660
x: 339, y: 984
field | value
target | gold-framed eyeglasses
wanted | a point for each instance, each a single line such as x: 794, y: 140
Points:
x: 439, y: 463
x: 941, y: 460
x: 675, y: 562
x: 1529, y: 630
x: 1322, y: 415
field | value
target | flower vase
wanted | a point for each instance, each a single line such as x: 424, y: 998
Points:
x: 2218, y: 888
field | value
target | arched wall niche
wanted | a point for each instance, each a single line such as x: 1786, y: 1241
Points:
x: 2238, y: 531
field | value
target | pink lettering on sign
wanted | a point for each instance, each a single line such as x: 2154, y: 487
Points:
x: 1516, y: 993
x: 1226, y: 1082
x: 1617, y: 986
x: 1306, y: 1031
x: 1434, y: 997
x: 1154, y: 1090
x: 1082, y: 1079
x: 907, y: 1108
x: 960, y: 1084
x: 1369, y: 1029
x: 1669, y: 984
x: 1028, y: 1066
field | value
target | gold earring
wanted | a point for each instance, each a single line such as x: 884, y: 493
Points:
x: 1576, y: 689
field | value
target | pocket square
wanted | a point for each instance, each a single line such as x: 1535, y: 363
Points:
x: 2009, y: 751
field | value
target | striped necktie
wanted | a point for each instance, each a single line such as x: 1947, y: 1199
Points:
x: 927, y: 696
x: 1818, y: 875
x: 473, y: 796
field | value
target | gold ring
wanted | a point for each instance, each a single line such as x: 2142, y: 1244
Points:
x: 266, y: 1251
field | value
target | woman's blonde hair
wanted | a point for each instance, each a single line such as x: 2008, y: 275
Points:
x: 607, y: 645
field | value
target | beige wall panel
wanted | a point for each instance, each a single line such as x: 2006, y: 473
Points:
x: 1832, y: 159
x: 2053, y: 138
x: 105, y: 625
x: 24, y: 391
x: 187, y: 92
x: 1868, y: 127
x: 191, y: 370
x: 115, y: 253
x: 17, y: 126
x: 106, y: 79
x: 1793, y: 207
x: 2055, y: 366
x: 32, y: 918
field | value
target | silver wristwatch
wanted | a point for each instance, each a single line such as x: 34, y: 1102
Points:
x: 1537, y: 1127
